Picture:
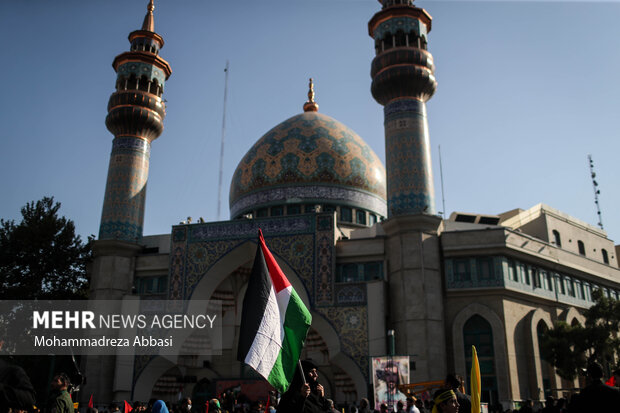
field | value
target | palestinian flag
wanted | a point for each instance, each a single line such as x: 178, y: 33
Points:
x: 274, y: 321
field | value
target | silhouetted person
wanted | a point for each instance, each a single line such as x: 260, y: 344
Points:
x: 59, y: 400
x: 596, y: 396
x: 304, y: 398
x: 16, y: 391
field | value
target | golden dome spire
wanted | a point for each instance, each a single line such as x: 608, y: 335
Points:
x: 149, y: 22
x: 311, y: 105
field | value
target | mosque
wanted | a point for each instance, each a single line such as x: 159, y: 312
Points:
x: 361, y: 243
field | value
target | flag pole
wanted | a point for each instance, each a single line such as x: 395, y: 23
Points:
x: 301, y: 370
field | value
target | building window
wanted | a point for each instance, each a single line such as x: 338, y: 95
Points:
x: 151, y: 285
x: 512, y: 271
x: 329, y: 208
x: 546, y: 280
x: 263, y: 212
x: 277, y: 211
x: 556, y: 238
x: 535, y: 277
x: 485, y: 268
x: 560, y: 281
x: 525, y: 275
x: 580, y: 293
x: 346, y: 214
x: 293, y: 209
x: 588, y: 291
x: 570, y: 286
x: 359, y: 272
x: 346, y: 273
x: 372, y: 219
x: 360, y: 217
x: 605, y: 256
x: 461, y: 270
x: 477, y: 332
x: 582, y: 248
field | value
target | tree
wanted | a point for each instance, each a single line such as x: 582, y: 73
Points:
x: 569, y: 348
x: 42, y: 257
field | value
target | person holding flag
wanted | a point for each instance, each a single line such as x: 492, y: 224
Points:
x: 305, y: 394
x: 274, y: 322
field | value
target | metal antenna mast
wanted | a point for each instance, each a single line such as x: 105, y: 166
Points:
x: 443, y: 199
x: 219, y: 186
x: 596, y: 191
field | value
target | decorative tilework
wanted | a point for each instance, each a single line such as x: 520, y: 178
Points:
x: 310, y: 193
x: 309, y: 149
x: 410, y: 178
x: 243, y: 228
x: 351, y: 294
x: 122, y: 217
x: 131, y: 144
x: 142, y: 69
x: 351, y: 323
x: 306, y: 243
x: 406, y: 24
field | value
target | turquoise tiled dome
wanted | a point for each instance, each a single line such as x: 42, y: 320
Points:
x: 309, y: 158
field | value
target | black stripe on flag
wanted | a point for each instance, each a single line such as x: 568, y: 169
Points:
x: 254, y: 304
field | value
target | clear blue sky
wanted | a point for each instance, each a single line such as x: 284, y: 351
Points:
x: 526, y: 91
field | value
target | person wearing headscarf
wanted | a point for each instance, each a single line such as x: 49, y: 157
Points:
x: 444, y: 401
x: 160, y: 407
x: 308, y: 397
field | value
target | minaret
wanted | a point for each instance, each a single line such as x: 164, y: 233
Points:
x: 402, y: 81
x: 135, y: 117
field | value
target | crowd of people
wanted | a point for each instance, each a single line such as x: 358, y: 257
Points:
x: 305, y: 395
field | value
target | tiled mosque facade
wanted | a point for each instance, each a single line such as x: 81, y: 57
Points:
x: 361, y: 244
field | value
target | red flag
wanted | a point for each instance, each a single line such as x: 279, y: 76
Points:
x: 207, y: 404
x: 90, y: 402
x: 611, y: 382
x: 128, y: 407
x: 267, y: 405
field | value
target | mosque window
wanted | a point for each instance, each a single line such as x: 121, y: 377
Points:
x: 462, y: 271
x: 132, y: 82
x: 582, y: 248
x: 485, y: 268
x: 151, y: 285
x: 359, y: 272
x: 346, y: 214
x: 512, y: 271
x: 605, y: 256
x: 579, y: 290
x: 556, y: 238
x: 263, y: 212
x: 478, y: 332
x: 535, y: 273
x: 588, y: 291
x: 372, y: 219
x: 547, y: 280
x: 570, y: 286
x: 143, y: 84
x: 524, y: 274
x: 559, y: 280
x: 329, y: 208
x: 400, y: 38
x: 277, y: 211
x: 360, y: 217
x: 293, y: 209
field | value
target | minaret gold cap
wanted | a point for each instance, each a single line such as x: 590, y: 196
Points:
x: 311, y: 105
x: 149, y: 22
